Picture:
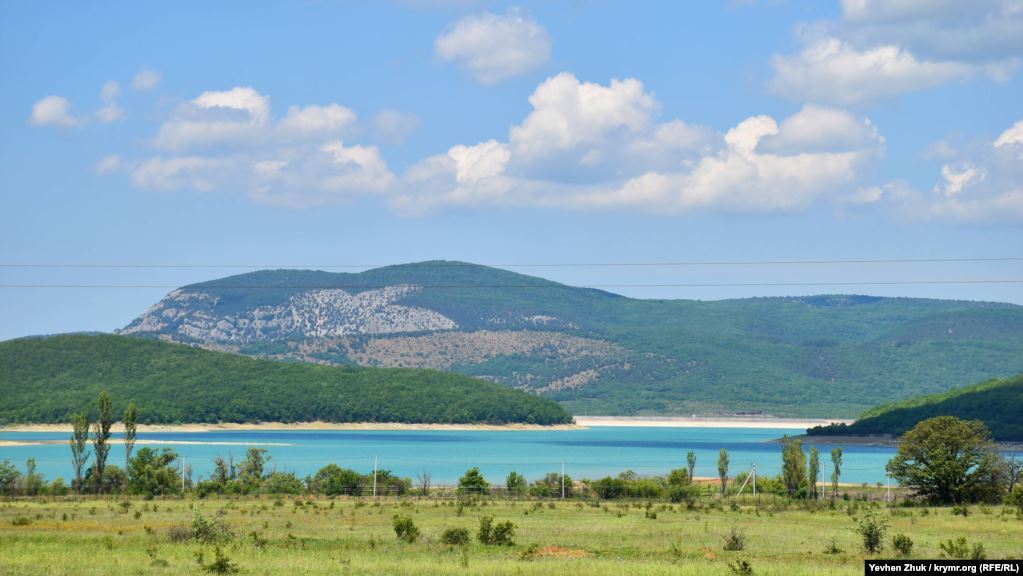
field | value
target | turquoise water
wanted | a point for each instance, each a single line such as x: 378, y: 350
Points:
x: 587, y: 453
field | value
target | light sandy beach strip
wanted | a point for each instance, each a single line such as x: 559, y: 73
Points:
x: 227, y: 426
x: 704, y: 422
x: 143, y: 442
x: 581, y: 422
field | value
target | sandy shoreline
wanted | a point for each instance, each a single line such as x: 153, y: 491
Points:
x: 704, y: 422
x: 256, y: 426
x: 581, y: 422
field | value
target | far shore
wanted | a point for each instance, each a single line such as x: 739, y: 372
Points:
x: 706, y: 422
x: 257, y: 426
x: 581, y: 422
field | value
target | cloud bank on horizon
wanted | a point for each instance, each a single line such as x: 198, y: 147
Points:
x: 608, y: 144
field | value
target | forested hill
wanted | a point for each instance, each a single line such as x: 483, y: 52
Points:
x: 598, y: 352
x: 46, y: 379
x: 997, y: 403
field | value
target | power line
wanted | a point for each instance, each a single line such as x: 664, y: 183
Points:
x: 679, y: 263
x: 516, y: 286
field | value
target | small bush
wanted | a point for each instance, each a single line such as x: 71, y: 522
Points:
x: 903, y: 544
x: 455, y: 537
x: 405, y: 529
x: 872, y: 528
x: 504, y: 534
x: 960, y: 510
x: 1015, y: 498
x: 21, y: 521
x: 959, y: 549
x: 220, y: 564
x: 735, y: 541
x: 210, y: 530
x: 501, y: 534
x: 178, y: 534
x: 741, y: 568
x: 833, y: 548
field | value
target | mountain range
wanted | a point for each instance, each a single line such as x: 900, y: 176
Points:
x: 597, y: 352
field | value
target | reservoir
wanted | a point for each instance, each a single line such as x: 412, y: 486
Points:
x: 591, y: 453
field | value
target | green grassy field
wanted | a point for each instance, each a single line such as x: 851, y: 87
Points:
x: 323, y: 536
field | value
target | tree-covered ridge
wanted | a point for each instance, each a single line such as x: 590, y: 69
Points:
x: 996, y: 403
x: 48, y: 379
x: 807, y: 356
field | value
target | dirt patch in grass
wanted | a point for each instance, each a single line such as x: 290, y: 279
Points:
x: 559, y: 552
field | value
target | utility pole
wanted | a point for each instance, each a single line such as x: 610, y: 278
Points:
x: 754, y: 481
x: 182, y: 475
x: 562, y: 480
x: 374, y: 476
x: 888, y: 496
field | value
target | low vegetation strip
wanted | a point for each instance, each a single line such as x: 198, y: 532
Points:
x: 46, y: 380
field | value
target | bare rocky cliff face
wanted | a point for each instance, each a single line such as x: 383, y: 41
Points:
x: 374, y: 328
x: 192, y: 316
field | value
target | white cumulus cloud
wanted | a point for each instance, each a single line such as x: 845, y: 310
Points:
x: 316, y: 120
x: 760, y: 164
x: 53, y: 111
x: 884, y: 48
x: 230, y: 116
x: 495, y: 47
x: 146, y: 79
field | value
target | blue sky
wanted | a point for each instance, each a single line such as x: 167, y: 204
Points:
x: 346, y: 133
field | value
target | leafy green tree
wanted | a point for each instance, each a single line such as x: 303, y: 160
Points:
x: 679, y: 477
x: 79, y: 443
x: 836, y: 469
x: 793, y: 466
x: 130, y: 431
x: 949, y: 460
x: 250, y: 471
x: 282, y: 483
x: 101, y: 437
x: 691, y: 464
x: 32, y: 483
x: 472, y: 482
x: 814, y: 471
x: 333, y: 480
x: 723, y: 469
x: 8, y: 478
x: 516, y: 483
x: 150, y: 473
x: 114, y: 480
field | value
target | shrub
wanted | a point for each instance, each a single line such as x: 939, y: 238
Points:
x: 282, y: 483
x: 221, y: 564
x: 178, y: 534
x: 21, y: 521
x: 455, y: 537
x: 210, y: 530
x: 735, y: 541
x: 961, y: 510
x: 495, y: 534
x: 504, y: 534
x: 741, y: 568
x: 872, y: 528
x: 959, y: 549
x: 1015, y: 498
x: 833, y: 547
x: 903, y: 544
x: 405, y: 529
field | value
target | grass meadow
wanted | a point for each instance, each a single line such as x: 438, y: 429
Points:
x: 115, y: 536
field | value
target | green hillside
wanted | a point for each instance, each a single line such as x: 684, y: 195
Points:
x: 997, y: 403
x: 602, y: 353
x: 46, y: 379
